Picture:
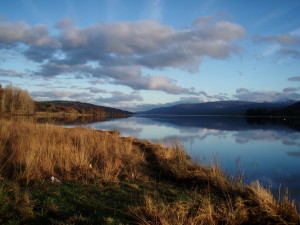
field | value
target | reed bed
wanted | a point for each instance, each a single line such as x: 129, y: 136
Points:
x: 32, y: 151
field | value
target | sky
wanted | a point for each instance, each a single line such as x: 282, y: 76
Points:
x: 142, y: 54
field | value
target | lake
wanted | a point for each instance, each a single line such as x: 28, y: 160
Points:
x: 265, y: 150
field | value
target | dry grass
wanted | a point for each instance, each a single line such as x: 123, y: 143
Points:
x: 261, y: 208
x: 31, y: 151
x: 265, y: 206
x: 175, y: 164
x: 173, y: 159
x: 217, y: 201
x: 200, y: 211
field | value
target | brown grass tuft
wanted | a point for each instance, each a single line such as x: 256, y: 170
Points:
x: 201, y: 211
x: 264, y: 206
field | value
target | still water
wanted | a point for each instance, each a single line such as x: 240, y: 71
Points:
x: 267, y: 151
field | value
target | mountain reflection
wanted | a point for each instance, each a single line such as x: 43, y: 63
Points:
x: 229, y: 123
x: 294, y: 154
x: 287, y: 138
x: 63, y: 119
x: 201, y: 127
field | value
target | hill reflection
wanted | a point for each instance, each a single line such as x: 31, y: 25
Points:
x: 230, y: 123
x: 63, y: 120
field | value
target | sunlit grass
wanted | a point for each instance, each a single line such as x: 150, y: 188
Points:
x: 107, y: 179
x: 32, y: 151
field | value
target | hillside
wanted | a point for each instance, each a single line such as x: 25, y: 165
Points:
x: 74, y: 107
x: 226, y: 123
x: 214, y: 108
x: 295, y: 108
x: 292, y: 110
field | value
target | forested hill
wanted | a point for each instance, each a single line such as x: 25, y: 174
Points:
x: 292, y: 110
x: 79, y: 108
x: 216, y: 108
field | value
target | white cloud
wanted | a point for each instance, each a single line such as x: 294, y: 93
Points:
x: 283, y: 44
x: 120, y: 50
x: 282, y: 39
x: 37, y: 35
x: 244, y: 94
x: 159, y: 83
x: 290, y: 89
x: 119, y: 97
x: 296, y: 78
x: 96, y: 90
x: 55, y: 95
x: 290, y: 52
x: 10, y: 73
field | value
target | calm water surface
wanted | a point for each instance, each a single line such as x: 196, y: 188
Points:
x: 269, y: 152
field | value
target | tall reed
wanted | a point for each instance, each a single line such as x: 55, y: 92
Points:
x: 33, y: 151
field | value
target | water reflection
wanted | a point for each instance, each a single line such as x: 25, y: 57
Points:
x: 286, y: 137
x: 61, y: 119
x: 266, y: 150
x: 294, y: 154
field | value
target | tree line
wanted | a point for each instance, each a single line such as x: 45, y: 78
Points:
x: 291, y: 111
x: 14, y: 100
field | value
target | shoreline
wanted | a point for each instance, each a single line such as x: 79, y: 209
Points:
x: 156, y: 183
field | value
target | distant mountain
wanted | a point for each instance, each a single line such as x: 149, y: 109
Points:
x: 226, y: 123
x: 79, y: 108
x: 292, y: 110
x: 215, y: 108
x: 295, y: 108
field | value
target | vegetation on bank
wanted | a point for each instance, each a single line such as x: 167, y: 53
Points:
x: 57, y: 175
x: 14, y: 100
x: 290, y: 111
x: 72, y: 107
x: 227, y: 108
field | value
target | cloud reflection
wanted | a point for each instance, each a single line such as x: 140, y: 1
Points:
x: 188, y: 129
x: 286, y: 138
x: 294, y: 154
x: 230, y: 139
x: 202, y: 127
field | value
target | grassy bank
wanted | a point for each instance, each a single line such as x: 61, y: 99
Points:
x: 55, y: 175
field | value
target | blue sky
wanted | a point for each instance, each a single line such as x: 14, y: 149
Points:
x: 141, y: 54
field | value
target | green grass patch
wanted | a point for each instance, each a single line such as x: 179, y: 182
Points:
x: 76, y: 203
